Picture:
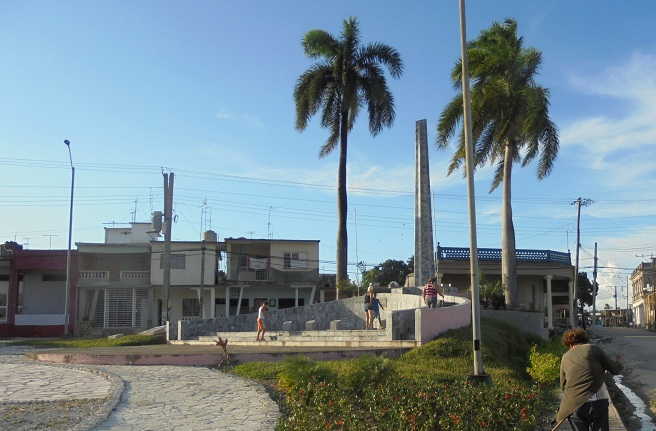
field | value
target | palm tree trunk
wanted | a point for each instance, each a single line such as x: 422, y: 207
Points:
x: 342, y: 237
x: 508, y: 257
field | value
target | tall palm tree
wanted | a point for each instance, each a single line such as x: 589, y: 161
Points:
x: 510, y: 122
x: 347, y: 77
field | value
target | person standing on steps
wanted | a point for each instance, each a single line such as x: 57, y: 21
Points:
x: 261, y: 326
x: 375, y: 308
x: 582, y: 372
x: 368, y: 311
x: 430, y: 293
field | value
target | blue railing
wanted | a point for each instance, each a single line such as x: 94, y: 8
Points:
x: 494, y: 254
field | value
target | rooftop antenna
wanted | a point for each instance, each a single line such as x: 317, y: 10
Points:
x: 269, y: 235
x: 134, y: 211
x: 250, y: 232
x: 50, y: 237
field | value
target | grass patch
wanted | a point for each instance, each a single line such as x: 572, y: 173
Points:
x: 127, y: 340
x: 425, y: 389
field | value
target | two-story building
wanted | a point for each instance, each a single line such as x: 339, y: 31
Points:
x: 114, y: 285
x: 192, y: 292
x: 283, y: 272
x: 643, y: 283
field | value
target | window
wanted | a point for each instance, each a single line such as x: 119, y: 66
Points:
x: 178, y: 261
x: 4, y: 286
x: 290, y: 302
x: 294, y: 260
x: 190, y: 308
x: 261, y: 275
x: 54, y: 277
x: 287, y: 260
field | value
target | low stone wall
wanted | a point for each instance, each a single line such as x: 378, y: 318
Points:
x: 402, y: 310
x: 349, y: 312
x: 429, y: 323
x: 526, y: 321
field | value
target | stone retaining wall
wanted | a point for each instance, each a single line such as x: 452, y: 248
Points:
x: 526, y: 321
x: 405, y: 317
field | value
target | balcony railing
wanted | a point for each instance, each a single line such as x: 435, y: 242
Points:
x: 494, y: 254
x: 135, y: 275
x: 94, y: 275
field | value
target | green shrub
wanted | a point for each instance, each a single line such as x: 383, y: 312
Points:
x: 299, y: 371
x: 363, y: 372
x: 544, y: 362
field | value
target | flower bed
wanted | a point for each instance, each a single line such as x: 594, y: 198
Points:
x: 426, y: 389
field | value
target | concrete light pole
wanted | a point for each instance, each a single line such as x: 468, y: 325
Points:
x: 479, y: 371
x: 572, y: 294
x: 70, y: 235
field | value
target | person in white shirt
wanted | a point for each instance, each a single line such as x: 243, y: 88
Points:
x: 261, y: 327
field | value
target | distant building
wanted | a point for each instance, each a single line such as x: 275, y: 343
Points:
x: 643, y: 283
x: 283, y: 272
x: 540, y: 273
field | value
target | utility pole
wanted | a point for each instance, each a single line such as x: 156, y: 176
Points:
x: 70, y: 236
x: 166, y: 256
x: 595, y: 288
x: 572, y: 294
x: 479, y: 372
x: 615, y: 297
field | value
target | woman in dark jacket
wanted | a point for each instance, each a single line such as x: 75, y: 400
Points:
x: 582, y: 369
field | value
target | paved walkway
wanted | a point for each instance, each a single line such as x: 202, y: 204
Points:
x: 33, y: 382
x: 189, y: 398
x: 158, y: 398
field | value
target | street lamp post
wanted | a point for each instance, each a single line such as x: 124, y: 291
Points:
x: 70, y: 234
x: 479, y: 372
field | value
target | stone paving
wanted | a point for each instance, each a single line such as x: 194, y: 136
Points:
x: 33, y: 382
x: 189, y: 398
x: 158, y: 398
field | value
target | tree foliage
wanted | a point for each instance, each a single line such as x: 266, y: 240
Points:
x: 388, y: 271
x: 346, y: 77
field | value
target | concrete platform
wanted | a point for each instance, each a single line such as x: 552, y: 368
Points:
x: 200, y: 355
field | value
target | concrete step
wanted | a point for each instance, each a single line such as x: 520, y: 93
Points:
x: 393, y: 344
x: 299, y: 338
x: 346, y: 334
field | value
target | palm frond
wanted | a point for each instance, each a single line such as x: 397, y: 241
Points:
x: 550, y: 146
x: 350, y: 38
x: 319, y: 43
x: 449, y: 120
x: 380, y: 53
x: 378, y: 97
x: 308, y: 93
x: 331, y: 142
x: 498, y: 176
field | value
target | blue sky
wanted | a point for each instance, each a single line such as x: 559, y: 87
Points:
x: 205, y: 88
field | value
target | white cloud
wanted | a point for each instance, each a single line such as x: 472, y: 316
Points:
x: 623, y: 146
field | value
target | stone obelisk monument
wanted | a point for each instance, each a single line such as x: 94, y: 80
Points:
x: 424, y: 258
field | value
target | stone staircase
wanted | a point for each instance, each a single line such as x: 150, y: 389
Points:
x: 315, y: 339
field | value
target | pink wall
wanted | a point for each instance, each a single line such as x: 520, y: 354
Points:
x: 429, y: 323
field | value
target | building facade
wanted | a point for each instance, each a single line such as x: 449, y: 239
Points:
x: 544, y: 278
x: 285, y: 273
x: 33, y: 292
x: 643, y: 283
